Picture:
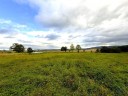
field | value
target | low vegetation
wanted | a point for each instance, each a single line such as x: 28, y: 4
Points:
x: 64, y: 74
x: 113, y: 49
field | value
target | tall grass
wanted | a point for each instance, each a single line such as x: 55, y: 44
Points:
x: 64, y: 74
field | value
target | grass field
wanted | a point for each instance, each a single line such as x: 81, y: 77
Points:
x: 64, y: 74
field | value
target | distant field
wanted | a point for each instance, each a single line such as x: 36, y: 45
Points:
x: 64, y: 74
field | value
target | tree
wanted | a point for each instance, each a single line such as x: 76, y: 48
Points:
x: 72, y: 47
x: 64, y: 48
x: 97, y: 50
x: 113, y: 49
x: 78, y: 47
x: 104, y: 50
x: 123, y: 48
x: 17, y: 47
x: 29, y: 50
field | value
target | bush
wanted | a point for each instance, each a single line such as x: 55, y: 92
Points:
x: 124, y: 48
x: 29, y: 50
x: 64, y: 48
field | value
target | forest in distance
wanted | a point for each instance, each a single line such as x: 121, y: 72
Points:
x: 16, y: 47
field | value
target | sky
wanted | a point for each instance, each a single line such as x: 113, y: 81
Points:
x: 51, y: 24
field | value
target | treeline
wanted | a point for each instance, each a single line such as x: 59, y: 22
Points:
x: 72, y: 47
x: 114, y: 49
x: 111, y: 49
x: 20, y: 48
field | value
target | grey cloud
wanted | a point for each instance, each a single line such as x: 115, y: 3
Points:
x: 49, y: 46
x: 33, y: 46
x: 68, y: 19
x: 104, y: 39
x: 115, y: 39
x: 24, y: 41
x: 73, y: 37
x: 52, y: 37
x: 103, y: 15
x: 9, y: 37
x: 46, y: 43
x: 53, y: 22
x: 67, y: 42
x: 8, y: 31
x: 39, y: 36
x: 52, y: 46
x: 53, y: 14
x: 4, y: 48
x: 88, y: 45
x: 4, y: 31
x: 65, y: 21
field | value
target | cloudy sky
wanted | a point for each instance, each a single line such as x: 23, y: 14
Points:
x: 48, y: 24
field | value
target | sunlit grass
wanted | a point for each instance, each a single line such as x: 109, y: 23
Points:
x: 64, y: 74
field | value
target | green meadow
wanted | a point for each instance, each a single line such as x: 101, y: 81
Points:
x: 64, y: 74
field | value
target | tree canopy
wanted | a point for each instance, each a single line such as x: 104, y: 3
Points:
x: 17, y: 47
x: 72, y: 47
x: 78, y: 47
x: 64, y: 48
x: 29, y: 50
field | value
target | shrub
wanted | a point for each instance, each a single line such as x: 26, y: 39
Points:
x: 29, y: 50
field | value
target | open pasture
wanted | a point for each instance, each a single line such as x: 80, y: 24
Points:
x: 64, y: 74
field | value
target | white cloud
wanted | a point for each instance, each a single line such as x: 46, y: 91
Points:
x: 78, y: 13
x: 11, y: 26
x: 3, y: 21
x: 86, y: 22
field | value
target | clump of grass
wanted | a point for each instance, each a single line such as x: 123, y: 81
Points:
x: 69, y: 82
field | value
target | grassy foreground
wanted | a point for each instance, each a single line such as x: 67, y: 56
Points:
x: 64, y: 74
